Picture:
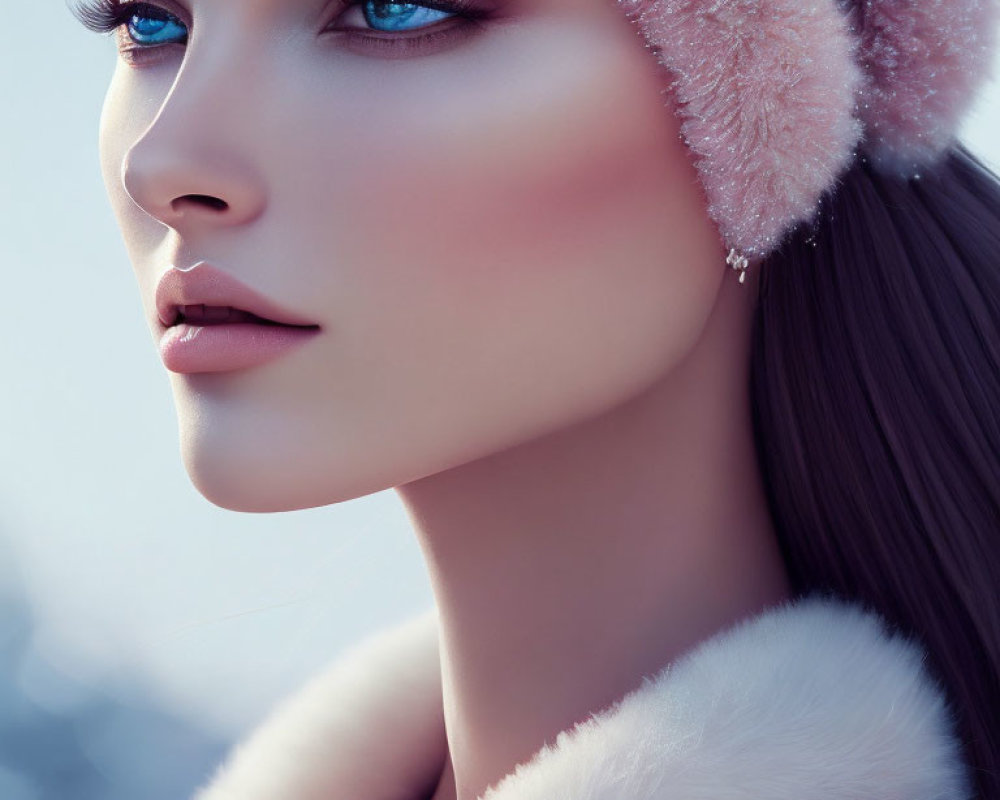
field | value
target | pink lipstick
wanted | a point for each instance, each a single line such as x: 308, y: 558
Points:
x: 210, y: 322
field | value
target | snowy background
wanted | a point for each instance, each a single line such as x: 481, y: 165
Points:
x: 141, y: 628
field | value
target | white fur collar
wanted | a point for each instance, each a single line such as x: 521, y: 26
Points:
x: 812, y: 700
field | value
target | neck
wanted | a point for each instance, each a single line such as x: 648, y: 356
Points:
x: 568, y: 567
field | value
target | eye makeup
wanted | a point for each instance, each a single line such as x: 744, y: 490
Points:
x: 369, y: 27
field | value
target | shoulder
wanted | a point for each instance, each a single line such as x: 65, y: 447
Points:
x: 816, y: 698
x: 370, y: 726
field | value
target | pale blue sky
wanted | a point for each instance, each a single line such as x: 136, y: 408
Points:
x: 125, y: 562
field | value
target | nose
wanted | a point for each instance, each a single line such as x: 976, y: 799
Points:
x: 185, y: 188
x: 193, y: 167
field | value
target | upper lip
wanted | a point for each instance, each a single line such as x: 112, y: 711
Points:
x: 204, y: 284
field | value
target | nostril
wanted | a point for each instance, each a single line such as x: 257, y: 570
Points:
x: 200, y: 199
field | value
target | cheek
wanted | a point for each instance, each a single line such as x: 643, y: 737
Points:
x: 512, y: 247
x: 540, y: 202
x: 533, y: 143
x: 130, y: 106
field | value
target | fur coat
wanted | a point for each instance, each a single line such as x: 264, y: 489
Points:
x: 812, y: 700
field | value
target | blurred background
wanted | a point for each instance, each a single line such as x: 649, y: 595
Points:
x: 142, y: 629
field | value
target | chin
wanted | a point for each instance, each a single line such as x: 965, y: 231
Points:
x: 234, y: 494
x: 236, y: 488
x: 264, y: 481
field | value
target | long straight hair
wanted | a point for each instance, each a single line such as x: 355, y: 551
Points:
x: 875, y: 386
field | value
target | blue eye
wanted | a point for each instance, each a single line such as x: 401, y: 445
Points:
x: 151, y: 26
x: 143, y: 27
x: 385, y: 16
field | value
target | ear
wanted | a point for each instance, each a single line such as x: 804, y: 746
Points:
x: 766, y: 92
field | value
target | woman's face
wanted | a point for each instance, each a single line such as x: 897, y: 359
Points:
x: 492, y: 221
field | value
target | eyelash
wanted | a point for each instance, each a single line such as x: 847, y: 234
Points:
x: 106, y: 16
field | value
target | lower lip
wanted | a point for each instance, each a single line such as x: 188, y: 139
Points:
x: 190, y: 349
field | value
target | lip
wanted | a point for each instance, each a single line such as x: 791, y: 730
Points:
x: 204, y: 284
x: 189, y: 347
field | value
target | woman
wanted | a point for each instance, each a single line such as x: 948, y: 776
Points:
x: 677, y: 331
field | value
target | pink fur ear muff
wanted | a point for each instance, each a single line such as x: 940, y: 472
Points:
x: 775, y: 96
x: 924, y: 60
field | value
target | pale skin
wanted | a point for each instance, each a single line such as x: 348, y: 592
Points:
x: 528, y: 329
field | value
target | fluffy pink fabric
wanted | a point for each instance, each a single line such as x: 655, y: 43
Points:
x: 924, y: 60
x: 765, y: 90
x: 774, y: 95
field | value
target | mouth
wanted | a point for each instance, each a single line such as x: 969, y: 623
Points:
x: 206, y: 315
x: 204, y: 295
x: 212, y: 322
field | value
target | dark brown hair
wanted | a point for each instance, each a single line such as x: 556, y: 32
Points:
x: 876, y: 406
